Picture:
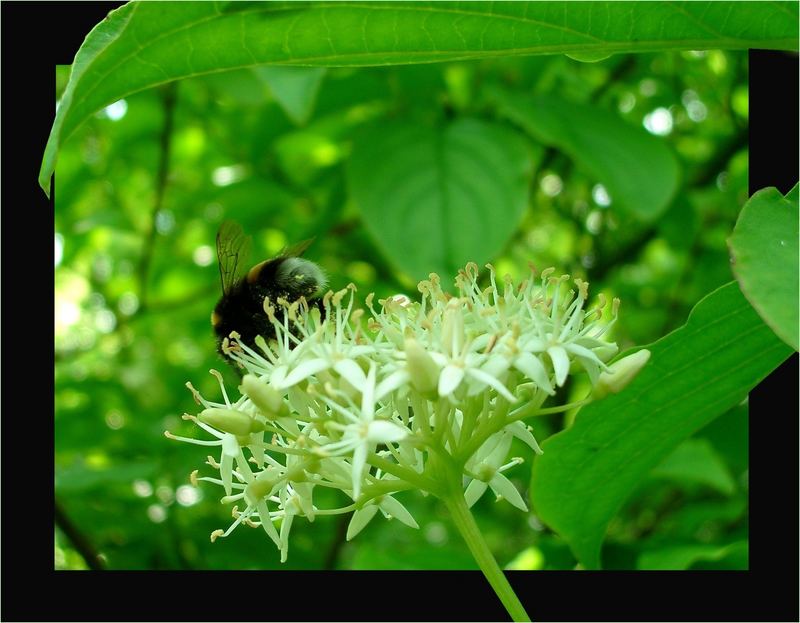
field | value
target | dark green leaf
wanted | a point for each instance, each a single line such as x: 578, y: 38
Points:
x: 729, y: 434
x: 437, y: 198
x: 681, y: 557
x: 144, y: 44
x: 764, y: 249
x: 83, y: 477
x: 639, y: 171
x: 295, y: 88
x: 794, y: 194
x: 696, y: 461
x: 695, y: 374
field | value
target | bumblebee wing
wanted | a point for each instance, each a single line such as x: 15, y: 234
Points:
x: 296, y: 250
x: 233, y: 249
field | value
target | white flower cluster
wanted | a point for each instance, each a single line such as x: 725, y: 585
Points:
x: 395, y: 400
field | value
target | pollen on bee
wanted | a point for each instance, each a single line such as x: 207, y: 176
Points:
x: 216, y: 319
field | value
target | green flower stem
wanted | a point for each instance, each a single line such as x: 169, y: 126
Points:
x: 403, y: 473
x: 522, y: 413
x: 465, y: 522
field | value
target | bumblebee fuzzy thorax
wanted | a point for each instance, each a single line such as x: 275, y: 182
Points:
x: 299, y: 276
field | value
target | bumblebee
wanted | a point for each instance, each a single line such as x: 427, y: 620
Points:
x: 241, y: 308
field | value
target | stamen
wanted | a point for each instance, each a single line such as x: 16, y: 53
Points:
x: 197, y: 442
x: 218, y: 376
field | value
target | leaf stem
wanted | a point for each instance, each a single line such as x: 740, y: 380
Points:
x: 465, y: 522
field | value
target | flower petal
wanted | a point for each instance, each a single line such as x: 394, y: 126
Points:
x: 530, y: 365
x: 277, y: 375
x: 492, y: 382
x: 498, y: 455
x: 391, y: 383
x: 534, y: 345
x: 360, y: 519
x: 359, y: 460
x: 523, y: 433
x: 577, y: 349
x: 384, y: 431
x: 302, y: 499
x: 230, y: 447
x: 286, y: 526
x: 474, y: 491
x: 352, y: 372
x: 226, y: 472
x: 450, y: 379
x: 485, y: 450
x: 266, y: 523
x: 422, y: 369
x: 503, y: 487
x: 303, y: 371
x: 398, y: 511
x: 496, y: 365
x: 560, y: 363
x: 368, y: 395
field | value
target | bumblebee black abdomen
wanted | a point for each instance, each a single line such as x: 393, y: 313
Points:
x: 241, y: 308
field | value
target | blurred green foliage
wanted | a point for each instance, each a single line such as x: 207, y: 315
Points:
x: 274, y: 149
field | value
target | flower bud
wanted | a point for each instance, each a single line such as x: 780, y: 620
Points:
x: 421, y: 368
x: 231, y: 421
x: 620, y: 374
x: 268, y: 400
x: 261, y: 487
x: 453, y: 326
x: 605, y: 352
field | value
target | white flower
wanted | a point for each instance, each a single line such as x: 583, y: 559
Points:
x: 390, y: 508
x: 487, y: 465
x: 363, y: 432
x: 227, y: 441
x: 362, y: 406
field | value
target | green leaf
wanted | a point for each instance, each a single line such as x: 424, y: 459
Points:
x: 794, y: 194
x: 437, y: 198
x: 695, y: 374
x: 81, y: 477
x: 529, y: 559
x: 696, y: 461
x: 681, y: 557
x: 639, y: 171
x: 294, y: 88
x: 729, y: 435
x: 144, y: 44
x: 764, y: 251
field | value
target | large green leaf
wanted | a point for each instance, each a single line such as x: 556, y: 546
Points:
x: 81, y: 477
x: 294, y: 88
x: 696, y: 461
x: 638, y: 169
x: 143, y: 44
x: 764, y: 249
x: 437, y: 198
x: 681, y: 557
x: 695, y: 374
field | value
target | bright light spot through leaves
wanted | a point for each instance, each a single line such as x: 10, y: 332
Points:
x: 658, y: 122
x: 115, y: 111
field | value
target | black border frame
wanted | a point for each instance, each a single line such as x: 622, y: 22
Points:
x: 38, y: 35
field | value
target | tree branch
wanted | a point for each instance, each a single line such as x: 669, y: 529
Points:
x: 77, y: 538
x: 168, y: 98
